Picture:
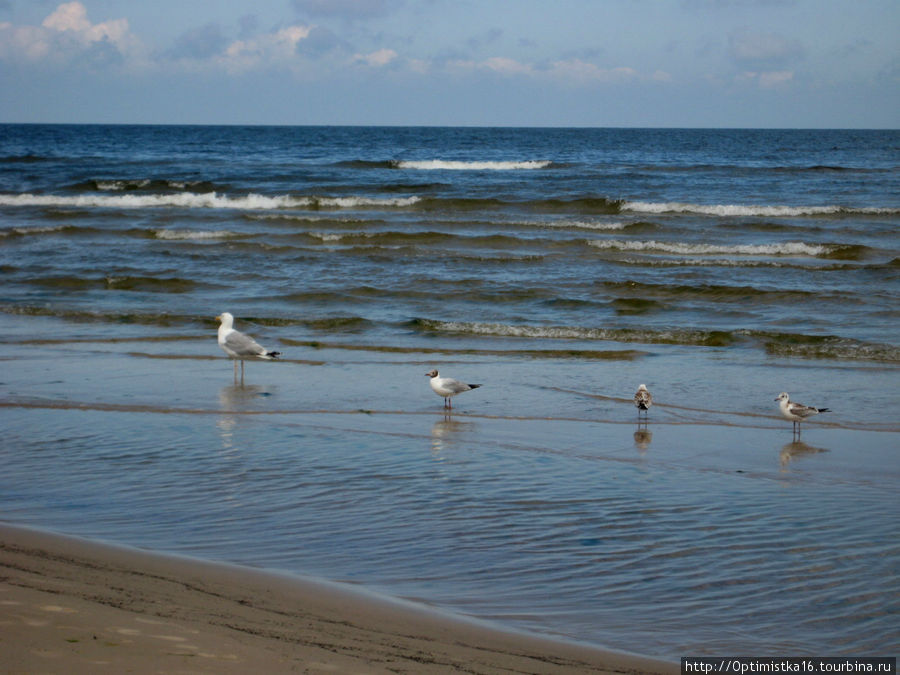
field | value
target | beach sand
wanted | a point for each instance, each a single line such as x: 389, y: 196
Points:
x: 77, y: 606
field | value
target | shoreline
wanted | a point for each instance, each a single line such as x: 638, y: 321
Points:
x: 81, y: 606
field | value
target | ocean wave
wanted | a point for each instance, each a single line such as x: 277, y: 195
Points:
x: 197, y: 235
x: 748, y: 210
x: 211, y: 200
x: 776, y: 344
x: 25, y: 231
x: 146, y: 184
x: 453, y: 165
x: 649, y: 336
x: 616, y: 226
x: 117, y: 283
x: 791, y: 248
x: 391, y: 238
x: 826, y: 347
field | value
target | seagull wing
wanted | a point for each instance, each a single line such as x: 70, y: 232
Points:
x: 243, y: 345
x: 801, y: 410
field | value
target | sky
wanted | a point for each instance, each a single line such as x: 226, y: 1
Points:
x: 586, y: 63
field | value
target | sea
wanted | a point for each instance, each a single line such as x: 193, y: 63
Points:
x: 557, y: 268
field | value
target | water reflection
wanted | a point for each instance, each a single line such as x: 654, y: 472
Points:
x: 642, y: 438
x: 443, y: 431
x: 795, y: 450
x: 238, y: 397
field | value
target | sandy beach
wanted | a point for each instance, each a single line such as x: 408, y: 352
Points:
x: 75, y: 606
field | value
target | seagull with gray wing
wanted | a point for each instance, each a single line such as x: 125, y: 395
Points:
x: 796, y: 412
x: 447, y: 387
x: 238, y: 346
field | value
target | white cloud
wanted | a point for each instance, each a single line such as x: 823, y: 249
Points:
x: 278, y: 47
x: 65, y: 35
x: 767, y: 79
x: 506, y: 66
x: 377, y: 59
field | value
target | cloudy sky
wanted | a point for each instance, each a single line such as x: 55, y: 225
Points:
x: 658, y: 63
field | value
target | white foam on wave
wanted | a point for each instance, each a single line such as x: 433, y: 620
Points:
x: 34, y: 229
x: 210, y: 200
x: 790, y: 248
x: 747, y: 210
x: 451, y: 165
x: 507, y: 330
x: 587, y: 225
x: 198, y: 235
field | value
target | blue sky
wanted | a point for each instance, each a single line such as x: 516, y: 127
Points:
x: 640, y: 63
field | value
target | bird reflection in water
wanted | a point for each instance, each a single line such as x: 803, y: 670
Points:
x: 233, y: 400
x: 238, y: 397
x: 796, y: 450
x: 642, y: 438
x: 442, y: 433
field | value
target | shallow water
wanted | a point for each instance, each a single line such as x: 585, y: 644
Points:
x: 558, y: 268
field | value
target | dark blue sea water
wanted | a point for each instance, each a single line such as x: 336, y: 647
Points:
x: 559, y: 268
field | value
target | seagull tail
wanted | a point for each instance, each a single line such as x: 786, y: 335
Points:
x: 474, y: 386
x: 823, y: 409
x: 273, y: 355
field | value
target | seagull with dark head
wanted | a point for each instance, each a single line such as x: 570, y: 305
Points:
x: 448, y: 387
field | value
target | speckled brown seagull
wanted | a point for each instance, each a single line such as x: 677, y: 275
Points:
x: 642, y: 400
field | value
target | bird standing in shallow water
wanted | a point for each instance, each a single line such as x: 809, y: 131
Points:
x: 447, y: 386
x: 796, y: 412
x: 642, y: 400
x: 238, y: 346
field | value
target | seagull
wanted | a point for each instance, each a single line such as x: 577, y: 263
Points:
x: 796, y: 412
x: 642, y: 400
x: 239, y: 346
x: 447, y: 386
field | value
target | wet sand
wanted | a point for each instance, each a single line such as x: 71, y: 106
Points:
x: 77, y: 606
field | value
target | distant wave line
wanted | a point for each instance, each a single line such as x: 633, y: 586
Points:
x: 790, y: 248
x: 213, y: 200
x: 748, y: 210
x: 453, y: 165
x: 584, y: 204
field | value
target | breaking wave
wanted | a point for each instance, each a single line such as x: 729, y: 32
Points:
x: 672, y: 336
x: 775, y: 344
x: 199, y: 235
x: 210, y: 200
x: 740, y: 210
x: 791, y: 248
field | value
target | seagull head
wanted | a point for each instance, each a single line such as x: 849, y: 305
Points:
x: 432, y: 373
x: 783, y: 396
x: 226, y: 319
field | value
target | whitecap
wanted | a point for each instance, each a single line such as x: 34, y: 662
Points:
x: 196, y: 234
x: 250, y: 201
x: 791, y: 248
x: 749, y: 210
